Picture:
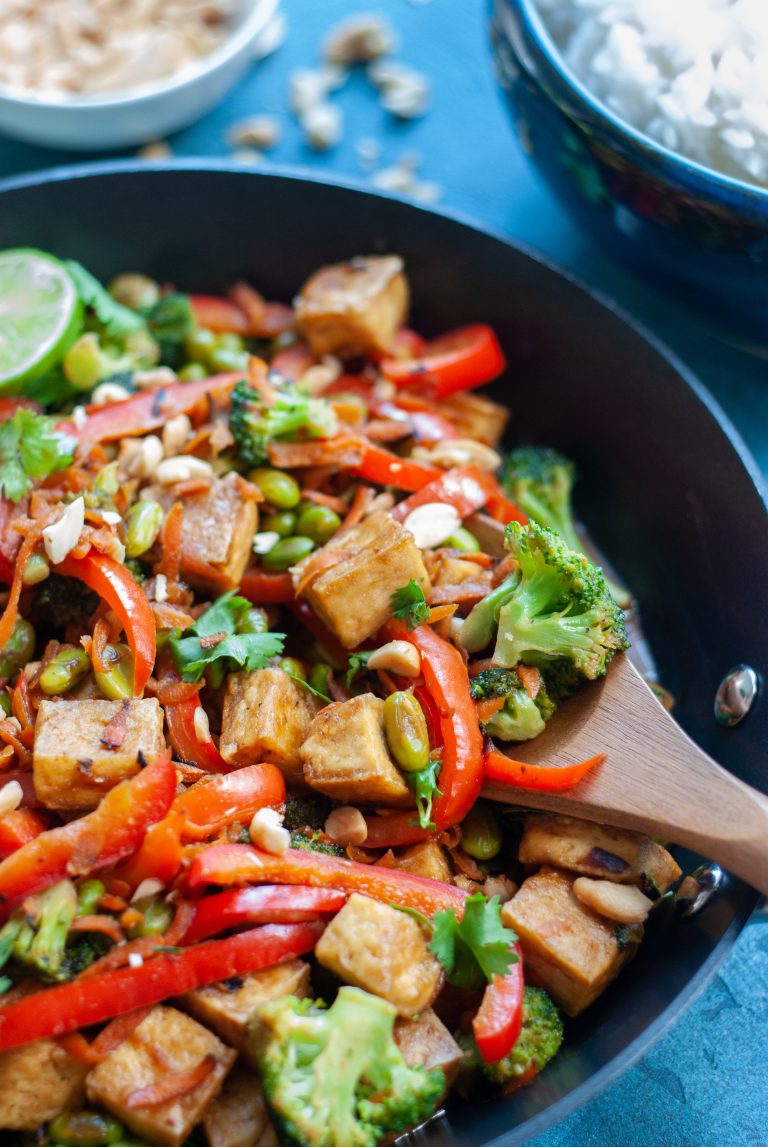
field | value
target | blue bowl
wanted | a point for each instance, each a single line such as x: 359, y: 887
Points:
x: 702, y: 234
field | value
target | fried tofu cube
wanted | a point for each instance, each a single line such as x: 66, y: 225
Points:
x: 426, y: 1042
x: 217, y: 528
x: 266, y: 717
x: 425, y: 859
x: 238, y: 1116
x: 352, y: 596
x: 227, y: 1007
x: 595, y: 850
x: 448, y: 570
x: 568, y: 948
x: 353, y: 308
x: 165, y: 1044
x: 84, y: 748
x: 374, y: 947
x: 346, y: 757
x: 476, y: 416
x: 37, y: 1082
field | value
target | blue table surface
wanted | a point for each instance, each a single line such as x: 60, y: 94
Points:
x: 705, y: 1083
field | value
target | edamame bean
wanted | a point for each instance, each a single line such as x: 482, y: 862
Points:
x: 223, y: 359
x: 199, y: 343
x: 89, y: 894
x: 5, y: 703
x: 318, y: 677
x: 192, y: 372
x: 117, y: 682
x: 280, y: 489
x: 318, y: 523
x: 64, y: 670
x: 293, y: 667
x: 135, y: 291
x: 405, y: 727
x: 142, y: 525
x: 18, y: 649
x: 286, y: 553
x: 36, y: 569
x: 254, y: 621
x: 230, y: 340
x: 282, y: 523
x: 481, y: 833
x: 157, y: 917
x: 84, y: 362
x: 85, y: 1129
x: 461, y: 539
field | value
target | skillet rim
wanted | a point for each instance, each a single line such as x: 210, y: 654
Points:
x: 628, y: 1056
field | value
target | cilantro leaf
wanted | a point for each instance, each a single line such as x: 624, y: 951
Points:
x: 476, y: 948
x: 115, y: 319
x: 356, y: 665
x: 214, y: 638
x: 30, y: 449
x: 424, y: 784
x: 306, y: 685
x: 409, y: 604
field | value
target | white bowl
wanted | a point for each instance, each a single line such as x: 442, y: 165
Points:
x: 141, y: 114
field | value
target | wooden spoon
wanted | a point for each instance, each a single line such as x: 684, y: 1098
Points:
x: 655, y: 779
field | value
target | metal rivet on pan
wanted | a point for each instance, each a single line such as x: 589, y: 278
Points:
x: 736, y: 695
x: 697, y: 890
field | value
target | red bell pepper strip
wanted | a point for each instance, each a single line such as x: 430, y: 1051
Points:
x: 267, y: 588
x: 180, y: 716
x: 461, y: 360
x: 387, y: 469
x: 544, y: 778
x: 501, y: 509
x: 219, y: 315
x: 212, y: 804
x: 19, y: 827
x: 118, y: 587
x: 269, y: 904
x: 466, y: 488
x: 111, y: 832
x: 499, y: 1019
x: 80, y: 1003
x: 461, y: 774
x: 148, y: 410
x: 424, y: 425
x: 227, y: 864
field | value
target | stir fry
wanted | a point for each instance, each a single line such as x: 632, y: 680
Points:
x: 276, y: 606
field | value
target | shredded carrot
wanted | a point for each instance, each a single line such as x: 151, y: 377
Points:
x: 486, y: 709
x: 171, y: 1087
x: 22, y: 709
x: 480, y: 666
x: 258, y: 379
x: 438, y: 612
x: 386, y: 430
x: 466, y: 593
x: 76, y: 1045
x: 364, y: 495
x: 192, y: 486
x: 350, y: 412
x: 250, y: 302
x: 101, y: 632
x: 28, y: 547
x: 531, y: 679
x: 117, y: 1031
x: 104, y: 925
x: 341, y: 452
x: 332, y: 501
x: 172, y: 692
x: 387, y: 681
x: 169, y: 616
x: 172, y: 542
x: 112, y: 902
x: 185, y: 912
x: 10, y: 735
x: 131, y: 918
x: 114, y: 732
x: 118, y: 956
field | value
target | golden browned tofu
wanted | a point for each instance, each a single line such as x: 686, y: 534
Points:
x: 37, y: 1082
x: 475, y: 416
x: 374, y: 947
x: 426, y: 1042
x: 568, y: 948
x: 453, y: 571
x: 345, y: 754
x: 227, y: 1007
x: 218, y: 528
x: 425, y: 859
x: 594, y: 850
x: 352, y: 597
x: 166, y: 1043
x: 238, y: 1116
x: 84, y: 748
x: 353, y: 308
x: 266, y: 717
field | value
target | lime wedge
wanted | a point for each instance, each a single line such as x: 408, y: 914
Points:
x: 40, y: 315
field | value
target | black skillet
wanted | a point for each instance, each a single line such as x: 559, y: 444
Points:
x: 667, y: 490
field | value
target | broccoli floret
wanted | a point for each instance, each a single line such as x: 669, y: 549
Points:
x: 540, y: 481
x: 292, y: 418
x: 36, y: 936
x: 493, y: 683
x: 63, y: 600
x: 558, y: 607
x: 170, y: 320
x: 315, y: 841
x: 335, y: 1077
x: 306, y: 812
x: 538, y: 1042
x: 522, y: 717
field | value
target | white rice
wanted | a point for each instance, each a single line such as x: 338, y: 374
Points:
x: 691, y: 74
